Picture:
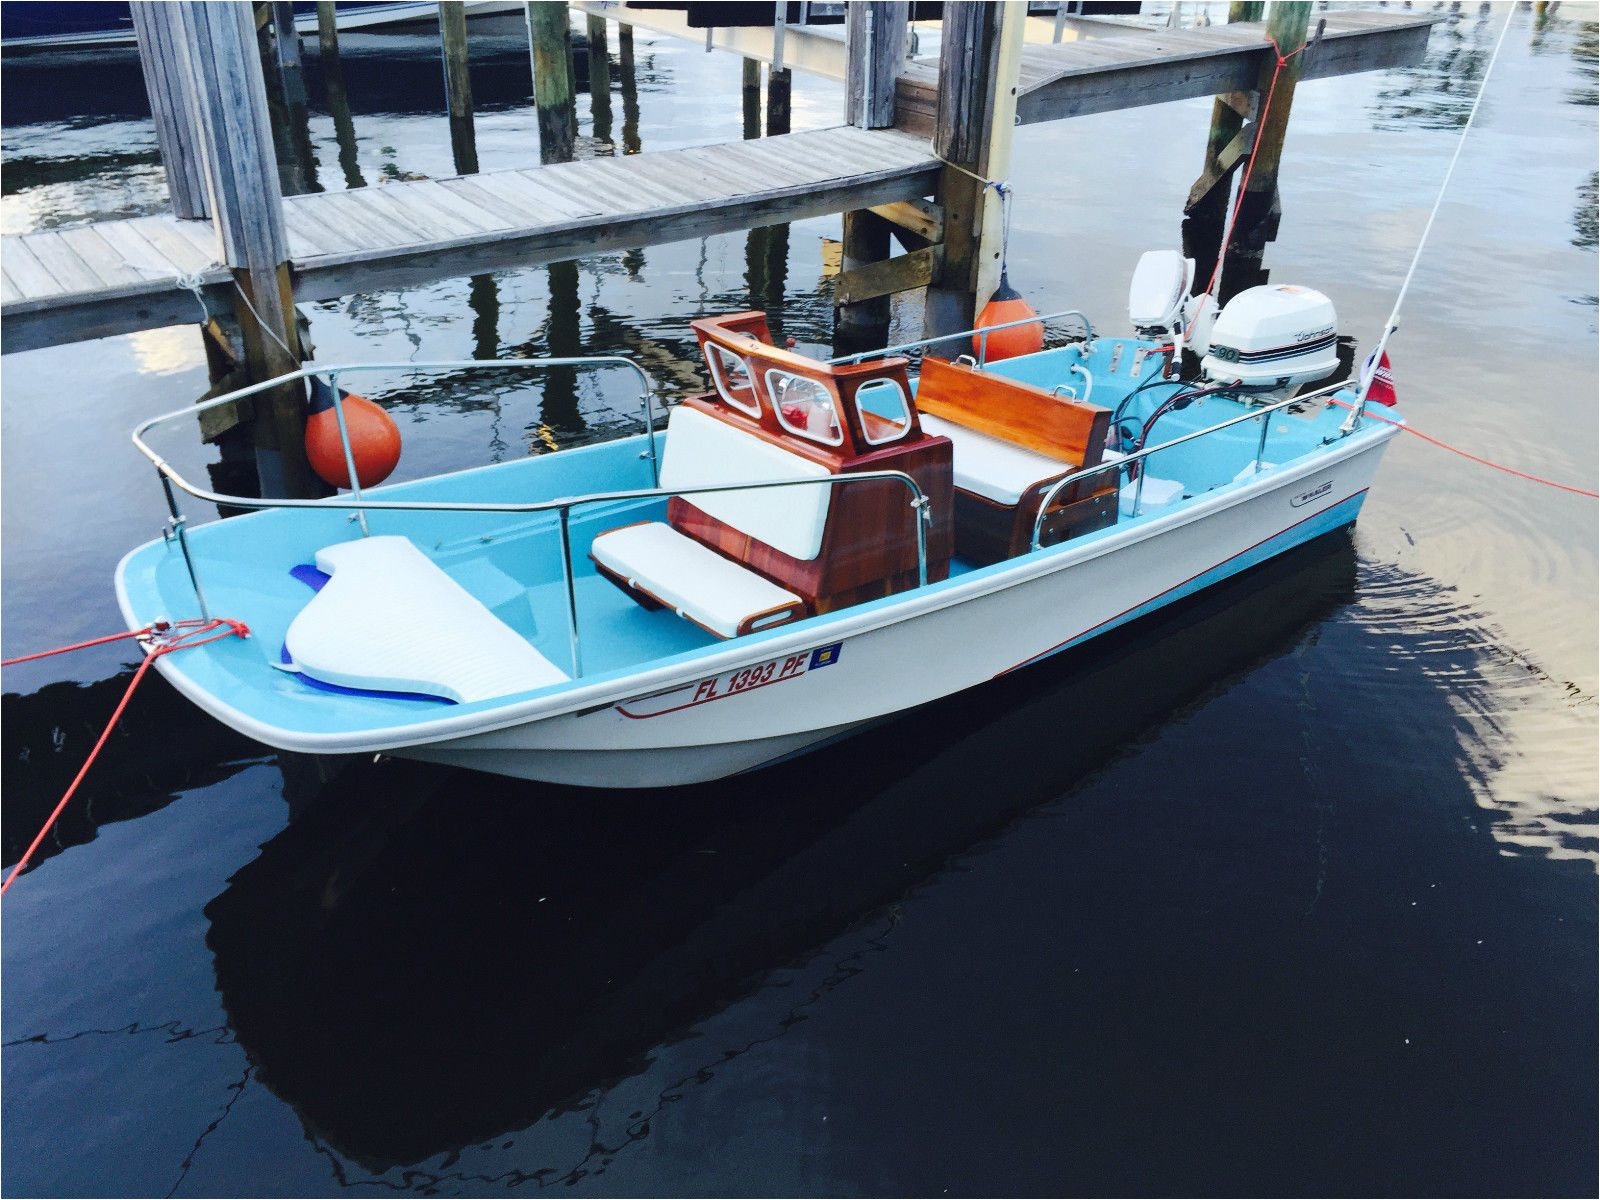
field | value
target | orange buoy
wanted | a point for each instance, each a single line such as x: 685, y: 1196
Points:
x: 1004, y: 306
x: 374, y: 438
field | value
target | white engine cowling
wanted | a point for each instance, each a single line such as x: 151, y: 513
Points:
x: 1278, y: 335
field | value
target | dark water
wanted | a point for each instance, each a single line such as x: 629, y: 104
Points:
x: 1290, y: 890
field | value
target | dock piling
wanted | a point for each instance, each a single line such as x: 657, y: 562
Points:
x: 458, y: 86
x: 875, y: 38
x: 230, y: 96
x: 630, y: 90
x: 750, y: 93
x: 599, y: 79
x: 168, y: 81
x: 977, y: 102
x: 1259, y: 211
x: 549, y: 38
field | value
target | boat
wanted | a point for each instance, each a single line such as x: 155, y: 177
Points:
x: 805, y: 549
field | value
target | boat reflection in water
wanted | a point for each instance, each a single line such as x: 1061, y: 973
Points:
x: 426, y: 958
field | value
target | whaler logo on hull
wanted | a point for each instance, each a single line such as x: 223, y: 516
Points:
x: 730, y: 683
x: 1316, y: 493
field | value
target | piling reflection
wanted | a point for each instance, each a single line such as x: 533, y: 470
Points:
x: 163, y: 745
x: 429, y: 958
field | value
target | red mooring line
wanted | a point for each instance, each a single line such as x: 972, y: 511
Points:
x: 1467, y: 454
x: 217, y: 629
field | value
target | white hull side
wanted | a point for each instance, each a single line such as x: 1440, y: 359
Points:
x: 867, y: 665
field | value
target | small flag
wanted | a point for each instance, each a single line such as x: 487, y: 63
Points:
x: 1381, y: 390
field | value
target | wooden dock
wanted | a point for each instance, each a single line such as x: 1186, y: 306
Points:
x: 1128, y: 67
x: 121, y: 276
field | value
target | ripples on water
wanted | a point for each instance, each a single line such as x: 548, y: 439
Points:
x: 1290, y: 890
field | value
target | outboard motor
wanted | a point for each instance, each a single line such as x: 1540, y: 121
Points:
x: 1273, y: 337
x: 1159, y: 303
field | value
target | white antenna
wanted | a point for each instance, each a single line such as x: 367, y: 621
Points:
x: 1391, y: 325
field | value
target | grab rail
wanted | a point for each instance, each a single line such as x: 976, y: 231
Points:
x: 981, y: 332
x: 562, y: 506
x: 1261, y: 414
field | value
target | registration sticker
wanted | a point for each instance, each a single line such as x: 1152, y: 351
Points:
x: 730, y: 683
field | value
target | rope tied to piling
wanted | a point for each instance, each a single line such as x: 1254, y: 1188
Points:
x: 1249, y: 166
x: 160, y: 637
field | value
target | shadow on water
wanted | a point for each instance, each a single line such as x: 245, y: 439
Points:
x: 409, y: 999
x: 163, y: 745
x: 428, y: 958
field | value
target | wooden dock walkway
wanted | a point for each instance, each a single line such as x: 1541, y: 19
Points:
x: 126, y: 275
x: 1127, y: 67
x: 122, y: 276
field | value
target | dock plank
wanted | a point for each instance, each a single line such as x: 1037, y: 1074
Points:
x: 30, y: 275
x: 99, y: 256
x: 136, y: 251
x: 524, y: 188
x: 443, y: 204
x: 70, y: 272
x: 9, y: 292
x: 409, y: 225
x: 304, y: 225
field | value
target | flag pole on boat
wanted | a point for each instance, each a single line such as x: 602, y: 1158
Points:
x: 1370, y: 371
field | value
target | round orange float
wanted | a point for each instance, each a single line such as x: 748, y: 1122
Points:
x: 374, y: 438
x: 1004, y: 306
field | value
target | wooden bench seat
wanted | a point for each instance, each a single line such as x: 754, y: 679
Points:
x: 1011, y: 442
x: 692, y: 580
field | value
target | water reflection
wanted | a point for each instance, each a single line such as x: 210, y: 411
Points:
x: 413, y: 983
x: 164, y: 745
x: 1438, y: 93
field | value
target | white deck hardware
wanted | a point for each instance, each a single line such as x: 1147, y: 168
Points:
x: 391, y: 620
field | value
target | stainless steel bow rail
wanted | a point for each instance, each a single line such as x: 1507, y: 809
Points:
x: 1263, y: 414
x: 982, y: 335
x: 561, y: 506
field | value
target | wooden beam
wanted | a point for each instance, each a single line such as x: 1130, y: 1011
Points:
x: 875, y: 280
x: 923, y: 218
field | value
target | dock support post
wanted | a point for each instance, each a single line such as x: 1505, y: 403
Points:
x: 1206, y: 213
x: 285, y: 89
x: 630, y: 89
x: 750, y: 93
x: 458, y: 86
x: 599, y: 79
x: 229, y: 90
x: 875, y: 36
x: 548, y: 33
x: 344, y: 127
x: 163, y: 60
x: 1259, y: 211
x: 778, y: 88
x: 978, y: 69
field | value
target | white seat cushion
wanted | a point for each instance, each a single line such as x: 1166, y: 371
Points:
x: 391, y: 620
x: 989, y: 467
x: 694, y: 581
x: 703, y: 450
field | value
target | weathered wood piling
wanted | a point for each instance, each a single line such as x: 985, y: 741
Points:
x: 458, y: 86
x: 549, y: 37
